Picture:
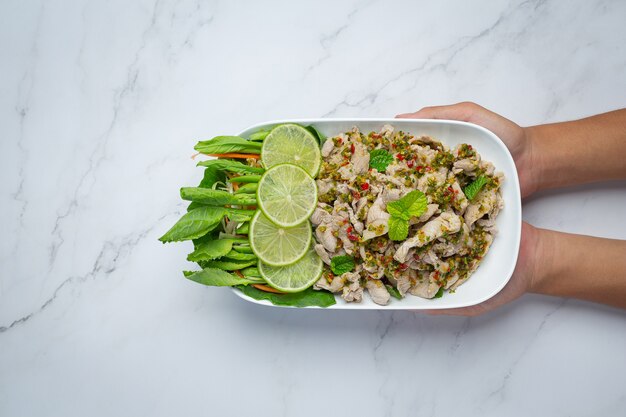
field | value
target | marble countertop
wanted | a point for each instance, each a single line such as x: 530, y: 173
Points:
x: 100, y: 106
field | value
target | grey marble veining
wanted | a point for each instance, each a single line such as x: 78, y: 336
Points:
x: 100, y: 105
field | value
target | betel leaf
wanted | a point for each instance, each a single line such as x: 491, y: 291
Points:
x: 306, y: 298
x: 218, y: 278
x: 380, y: 159
x: 341, y: 264
x: 393, y: 291
x: 398, y: 228
x: 474, y: 188
x: 321, y: 138
x: 412, y: 204
x: 211, y: 197
x: 439, y: 293
x: 196, y: 223
x: 212, y: 249
x: 231, y: 166
x: 228, y: 264
x: 227, y: 144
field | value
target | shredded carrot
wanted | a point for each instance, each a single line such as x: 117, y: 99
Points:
x: 267, y: 289
x: 235, y: 186
x: 239, y: 274
x: 235, y: 155
x: 194, y: 155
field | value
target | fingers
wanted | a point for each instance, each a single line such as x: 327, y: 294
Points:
x: 461, y: 111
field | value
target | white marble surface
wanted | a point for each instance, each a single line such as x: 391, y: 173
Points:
x: 100, y: 105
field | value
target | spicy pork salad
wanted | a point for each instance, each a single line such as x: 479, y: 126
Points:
x: 290, y: 216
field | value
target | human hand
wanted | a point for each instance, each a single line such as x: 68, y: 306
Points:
x: 526, y: 272
x: 513, y: 136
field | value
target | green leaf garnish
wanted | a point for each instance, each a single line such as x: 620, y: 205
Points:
x: 393, y: 291
x: 228, y: 264
x: 439, y: 293
x: 212, y: 249
x: 218, y: 278
x: 321, y: 138
x: 380, y: 159
x: 341, y: 264
x: 474, y: 188
x: 259, y: 136
x: 398, y: 228
x: 227, y: 144
x: 213, y: 197
x: 306, y: 298
x: 412, y: 204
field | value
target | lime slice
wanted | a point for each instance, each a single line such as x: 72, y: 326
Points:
x: 287, y: 195
x: 278, y: 246
x: 293, y: 278
x: 293, y: 144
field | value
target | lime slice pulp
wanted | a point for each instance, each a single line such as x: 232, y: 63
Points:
x: 287, y: 195
x: 296, y: 277
x: 293, y: 144
x: 278, y: 246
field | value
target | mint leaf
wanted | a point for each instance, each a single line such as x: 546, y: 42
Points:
x: 380, y: 159
x: 217, y: 278
x: 474, y: 188
x: 398, y: 228
x: 341, y: 264
x: 393, y: 291
x: 439, y: 293
x: 306, y: 298
x: 412, y: 204
x: 213, y: 249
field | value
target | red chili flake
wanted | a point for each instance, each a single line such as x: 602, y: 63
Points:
x: 356, y: 195
x: 365, y: 186
x: 419, y: 167
x: 393, y: 145
x: 349, y: 229
x: 353, y: 237
x: 470, y: 147
x: 399, y: 156
x: 410, y: 163
x: 339, y: 141
x: 402, y: 266
x: 352, y: 147
x: 376, y: 136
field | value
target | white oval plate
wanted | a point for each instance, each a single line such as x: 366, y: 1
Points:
x: 498, y: 265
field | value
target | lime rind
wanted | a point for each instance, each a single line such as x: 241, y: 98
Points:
x: 296, y: 277
x: 292, y: 143
x: 278, y: 246
x: 287, y: 195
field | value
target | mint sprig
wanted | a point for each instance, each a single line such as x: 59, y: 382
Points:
x: 474, y: 188
x: 380, y: 159
x: 412, y: 204
x: 341, y: 264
